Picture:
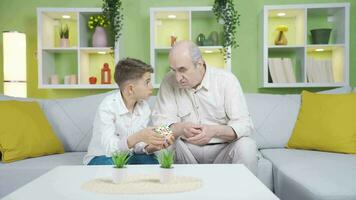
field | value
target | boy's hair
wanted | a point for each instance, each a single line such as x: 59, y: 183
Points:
x: 130, y: 69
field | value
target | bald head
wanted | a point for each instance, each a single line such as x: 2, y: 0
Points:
x: 186, y: 50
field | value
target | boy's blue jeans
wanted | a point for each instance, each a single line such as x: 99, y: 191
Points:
x: 135, y: 159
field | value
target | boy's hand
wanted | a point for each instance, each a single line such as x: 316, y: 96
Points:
x: 150, y: 137
x: 152, y: 148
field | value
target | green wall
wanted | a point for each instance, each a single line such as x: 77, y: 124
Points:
x: 20, y: 15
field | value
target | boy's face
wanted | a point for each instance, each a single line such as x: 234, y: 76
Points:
x: 143, y: 87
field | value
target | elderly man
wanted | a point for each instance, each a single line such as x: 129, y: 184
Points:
x: 206, y: 110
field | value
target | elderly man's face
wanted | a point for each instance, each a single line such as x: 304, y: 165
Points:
x: 187, y: 74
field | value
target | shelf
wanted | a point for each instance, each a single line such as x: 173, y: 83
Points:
x: 51, y: 25
x: 327, y: 64
x: 314, y: 65
x: 296, y: 55
x: 170, y: 23
x: 82, y: 86
x: 80, y: 59
x: 294, y: 19
x: 333, y: 18
x: 204, y: 22
x: 92, y: 62
x: 87, y: 34
x: 59, y: 63
x: 60, y: 49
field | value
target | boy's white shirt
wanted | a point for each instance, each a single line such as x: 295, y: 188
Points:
x: 113, y: 124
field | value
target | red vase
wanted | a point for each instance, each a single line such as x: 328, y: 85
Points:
x: 106, y: 74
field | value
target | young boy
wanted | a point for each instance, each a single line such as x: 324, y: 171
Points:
x: 122, y: 117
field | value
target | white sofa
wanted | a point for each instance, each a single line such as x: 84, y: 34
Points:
x: 291, y: 174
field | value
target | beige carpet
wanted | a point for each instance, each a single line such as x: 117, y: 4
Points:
x: 143, y: 184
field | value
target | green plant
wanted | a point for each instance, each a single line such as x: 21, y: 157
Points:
x: 112, y: 10
x: 225, y: 12
x: 64, y: 32
x: 97, y: 20
x: 166, y: 158
x: 120, y: 158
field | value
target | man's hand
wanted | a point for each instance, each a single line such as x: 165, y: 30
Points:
x: 190, y: 130
x: 202, y: 136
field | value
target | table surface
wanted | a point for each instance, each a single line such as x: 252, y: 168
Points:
x: 220, y: 181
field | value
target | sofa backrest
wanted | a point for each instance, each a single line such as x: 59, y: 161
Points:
x: 273, y: 117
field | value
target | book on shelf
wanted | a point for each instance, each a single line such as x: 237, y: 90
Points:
x: 281, y: 70
x: 320, y: 71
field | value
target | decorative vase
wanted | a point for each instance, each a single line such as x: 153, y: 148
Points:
x: 320, y: 36
x: 214, y: 37
x: 208, y: 42
x: 118, y: 175
x: 200, y: 39
x: 281, y: 39
x: 99, y: 37
x: 64, y: 42
x: 166, y: 175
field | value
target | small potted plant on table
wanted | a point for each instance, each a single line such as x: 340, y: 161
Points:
x: 120, y: 159
x: 166, y: 160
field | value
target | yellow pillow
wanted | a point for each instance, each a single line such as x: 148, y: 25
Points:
x: 25, y: 132
x: 326, y: 122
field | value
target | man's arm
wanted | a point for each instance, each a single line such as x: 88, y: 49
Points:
x: 236, y: 109
x: 239, y: 123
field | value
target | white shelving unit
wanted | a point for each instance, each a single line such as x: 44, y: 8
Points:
x: 80, y: 58
x: 300, y: 19
x: 186, y: 23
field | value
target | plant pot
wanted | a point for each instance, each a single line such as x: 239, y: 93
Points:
x: 320, y: 36
x: 118, y: 175
x: 166, y: 175
x: 64, y: 42
x: 99, y: 37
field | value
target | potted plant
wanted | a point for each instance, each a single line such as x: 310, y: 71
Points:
x: 120, y: 159
x: 98, y: 23
x: 225, y: 13
x: 64, y: 36
x: 112, y: 10
x: 166, y: 159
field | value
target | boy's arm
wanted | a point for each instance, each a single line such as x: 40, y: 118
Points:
x: 104, y: 124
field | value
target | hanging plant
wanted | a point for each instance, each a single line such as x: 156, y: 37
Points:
x: 112, y: 10
x: 226, y: 14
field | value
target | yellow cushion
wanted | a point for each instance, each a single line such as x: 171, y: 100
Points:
x: 25, y: 132
x: 326, y: 122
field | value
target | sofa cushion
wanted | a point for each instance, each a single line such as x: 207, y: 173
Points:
x: 307, y: 175
x: 16, y: 174
x: 325, y: 122
x: 25, y: 132
x: 274, y: 116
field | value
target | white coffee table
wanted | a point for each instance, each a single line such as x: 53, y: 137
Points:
x: 222, y: 181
